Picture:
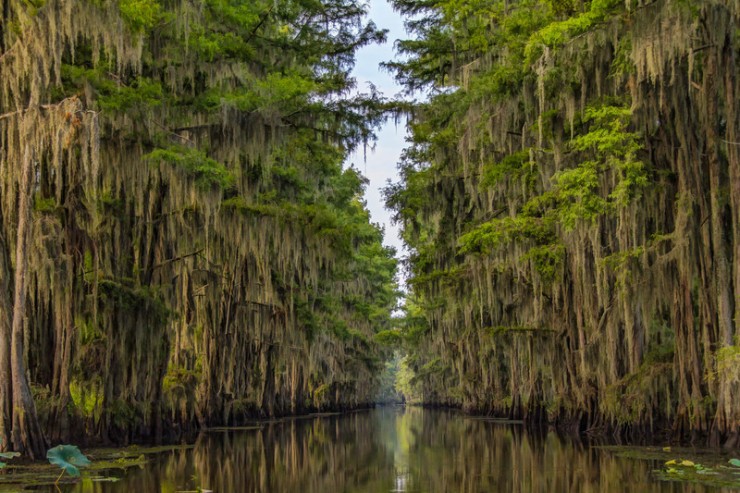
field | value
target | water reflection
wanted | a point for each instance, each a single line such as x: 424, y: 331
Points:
x: 388, y: 450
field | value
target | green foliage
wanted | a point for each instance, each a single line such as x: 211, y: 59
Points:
x: 406, y: 382
x: 44, y: 204
x: 547, y: 260
x: 87, y: 398
x: 617, y: 148
x: 499, y: 232
x: 514, y: 166
x: 274, y: 93
x: 113, y: 94
x: 68, y: 458
x: 207, y: 172
x: 443, y: 277
x: 622, y: 63
x: 140, y: 15
x: 578, y: 194
x: 562, y: 8
x: 621, y: 260
x: 612, y: 149
x: 558, y: 33
x: 387, y: 389
x: 389, y: 337
x: 180, y: 381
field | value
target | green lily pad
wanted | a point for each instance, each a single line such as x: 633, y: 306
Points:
x: 734, y: 462
x: 69, y: 458
x: 7, y: 455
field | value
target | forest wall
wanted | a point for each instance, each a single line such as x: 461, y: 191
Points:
x: 572, y: 200
x: 197, y: 254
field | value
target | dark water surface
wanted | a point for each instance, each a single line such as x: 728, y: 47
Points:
x: 388, y: 450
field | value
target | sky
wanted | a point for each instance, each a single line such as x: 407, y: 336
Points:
x: 380, y: 165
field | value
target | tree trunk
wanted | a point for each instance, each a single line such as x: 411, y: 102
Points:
x: 733, y: 123
x: 721, y: 265
x: 27, y: 436
x: 6, y: 393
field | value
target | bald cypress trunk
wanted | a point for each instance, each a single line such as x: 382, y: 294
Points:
x: 717, y: 171
x: 6, y: 317
x: 27, y: 436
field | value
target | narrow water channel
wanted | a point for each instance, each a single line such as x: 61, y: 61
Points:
x: 388, y: 450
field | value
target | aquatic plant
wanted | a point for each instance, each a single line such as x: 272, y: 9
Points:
x: 7, y: 455
x: 68, y: 458
x: 690, y: 471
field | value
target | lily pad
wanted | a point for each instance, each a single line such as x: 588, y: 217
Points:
x: 734, y: 462
x: 7, y: 455
x: 69, y: 458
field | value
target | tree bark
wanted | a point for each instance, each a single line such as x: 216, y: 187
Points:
x: 721, y: 266
x: 6, y: 392
x: 27, y: 436
x: 733, y: 147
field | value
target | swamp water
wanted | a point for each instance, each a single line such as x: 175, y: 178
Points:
x: 388, y: 450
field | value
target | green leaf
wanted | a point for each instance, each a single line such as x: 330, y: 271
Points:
x: 734, y: 462
x: 7, y: 455
x: 68, y: 457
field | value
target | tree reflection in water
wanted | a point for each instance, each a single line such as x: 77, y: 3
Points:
x: 388, y: 450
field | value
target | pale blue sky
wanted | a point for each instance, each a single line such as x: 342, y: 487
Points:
x: 381, y: 163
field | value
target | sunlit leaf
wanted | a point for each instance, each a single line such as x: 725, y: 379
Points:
x: 734, y: 462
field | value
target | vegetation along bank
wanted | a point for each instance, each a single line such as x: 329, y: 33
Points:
x: 571, y: 198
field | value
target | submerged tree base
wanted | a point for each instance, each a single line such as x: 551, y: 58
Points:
x: 595, y: 427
